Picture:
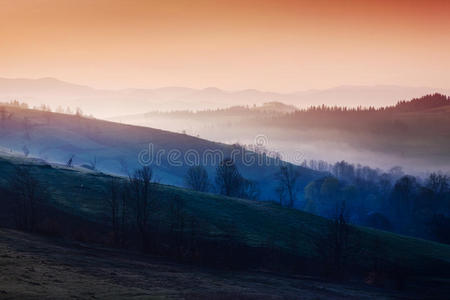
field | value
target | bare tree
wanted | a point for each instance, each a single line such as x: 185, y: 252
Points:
x: 197, y: 178
x: 287, y: 178
x: 141, y: 194
x: 280, y: 192
x: 69, y: 163
x: 93, y: 163
x: 338, y: 245
x: 404, y: 200
x: 438, y: 183
x: 228, y: 178
x: 249, y: 189
x: 231, y: 183
x: 29, y: 195
x: 117, y: 200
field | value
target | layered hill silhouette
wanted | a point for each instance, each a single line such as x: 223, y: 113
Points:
x: 113, y: 102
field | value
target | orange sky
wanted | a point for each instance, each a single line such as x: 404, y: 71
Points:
x: 268, y: 45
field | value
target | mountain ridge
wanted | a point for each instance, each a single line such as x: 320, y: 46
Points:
x: 106, y: 103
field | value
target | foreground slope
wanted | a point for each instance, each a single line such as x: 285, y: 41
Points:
x: 36, y: 267
x: 252, y: 223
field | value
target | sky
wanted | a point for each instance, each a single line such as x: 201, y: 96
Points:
x: 275, y: 45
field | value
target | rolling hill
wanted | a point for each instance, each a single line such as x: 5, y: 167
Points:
x: 254, y: 224
x: 120, y: 149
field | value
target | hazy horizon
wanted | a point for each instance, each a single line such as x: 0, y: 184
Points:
x: 282, y: 46
x: 149, y: 87
x: 107, y: 103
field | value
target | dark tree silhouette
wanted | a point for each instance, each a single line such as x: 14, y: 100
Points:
x: 69, y: 163
x: 140, y: 189
x: 116, y: 195
x: 228, y: 179
x: 249, y: 189
x: 287, y: 178
x: 438, y: 183
x: 29, y: 196
x: 197, y: 179
x: 404, y: 199
x: 338, y: 245
x: 93, y: 163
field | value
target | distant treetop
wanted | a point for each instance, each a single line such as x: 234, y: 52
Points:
x: 422, y: 103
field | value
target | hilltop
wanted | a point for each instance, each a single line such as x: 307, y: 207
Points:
x: 427, y: 102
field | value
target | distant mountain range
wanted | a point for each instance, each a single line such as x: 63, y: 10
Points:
x: 107, y: 103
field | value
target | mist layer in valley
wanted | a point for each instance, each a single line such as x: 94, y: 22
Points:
x: 412, y: 134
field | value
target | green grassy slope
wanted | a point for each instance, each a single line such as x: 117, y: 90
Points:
x: 253, y: 223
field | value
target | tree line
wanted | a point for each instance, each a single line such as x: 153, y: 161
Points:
x: 390, y: 200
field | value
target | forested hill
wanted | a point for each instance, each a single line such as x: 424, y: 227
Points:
x: 426, y: 102
x: 422, y: 103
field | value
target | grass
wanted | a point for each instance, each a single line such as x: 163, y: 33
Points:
x: 253, y: 223
x: 34, y: 267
